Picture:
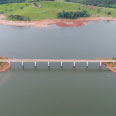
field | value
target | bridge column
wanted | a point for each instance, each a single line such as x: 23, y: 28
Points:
x: 74, y: 65
x: 35, y: 63
x: 48, y: 64
x: 87, y: 64
x: 61, y: 65
x: 22, y: 64
x: 9, y: 64
x: 100, y: 65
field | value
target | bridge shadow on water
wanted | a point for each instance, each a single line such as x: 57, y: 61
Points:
x: 55, y: 67
x: 58, y: 70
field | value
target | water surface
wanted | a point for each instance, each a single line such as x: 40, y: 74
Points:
x: 57, y: 92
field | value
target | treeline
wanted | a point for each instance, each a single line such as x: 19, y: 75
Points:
x: 94, y: 1
x: 72, y: 14
x: 20, y: 1
x: 18, y: 17
x: 114, y: 58
x: 11, y: 1
x: 101, y: 3
x: 107, y: 5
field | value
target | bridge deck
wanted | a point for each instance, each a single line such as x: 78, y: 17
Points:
x: 57, y: 60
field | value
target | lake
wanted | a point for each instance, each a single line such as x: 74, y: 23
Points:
x: 56, y: 92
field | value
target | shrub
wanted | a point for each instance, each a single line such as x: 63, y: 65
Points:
x: 1, y: 12
x: 109, y: 62
x: 10, y: 9
x: 21, y: 7
x: 6, y: 9
x: 109, y: 13
x: 35, y: 4
x: 99, y: 10
x: 26, y: 4
x: 114, y: 58
x: 18, y: 17
x: 72, y: 14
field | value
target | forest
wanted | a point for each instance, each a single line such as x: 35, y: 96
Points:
x: 101, y: 3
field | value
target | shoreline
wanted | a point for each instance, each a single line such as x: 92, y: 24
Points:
x: 58, y: 22
x: 110, y: 67
x: 5, y: 66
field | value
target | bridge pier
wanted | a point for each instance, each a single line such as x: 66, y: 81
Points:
x: 48, y: 65
x: 9, y: 64
x: 74, y: 65
x: 61, y: 65
x: 100, y: 65
x: 35, y: 64
x: 22, y: 64
x: 87, y: 64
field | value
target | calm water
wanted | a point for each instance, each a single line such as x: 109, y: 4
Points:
x: 58, y: 92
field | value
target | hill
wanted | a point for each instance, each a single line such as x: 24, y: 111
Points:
x: 49, y: 10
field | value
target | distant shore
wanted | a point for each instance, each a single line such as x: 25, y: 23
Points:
x: 58, y: 22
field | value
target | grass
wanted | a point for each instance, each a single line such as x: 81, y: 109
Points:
x: 49, y: 10
x: 109, y: 62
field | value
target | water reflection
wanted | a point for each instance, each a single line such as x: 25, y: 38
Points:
x: 4, y: 77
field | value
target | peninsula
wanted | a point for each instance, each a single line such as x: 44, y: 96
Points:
x: 45, y: 13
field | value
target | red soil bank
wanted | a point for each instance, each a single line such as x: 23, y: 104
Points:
x: 109, y: 66
x: 81, y: 21
x: 5, y: 66
x: 59, y: 22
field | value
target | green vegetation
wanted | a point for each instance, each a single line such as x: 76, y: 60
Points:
x: 11, y: 1
x: 114, y: 65
x: 50, y: 10
x: 72, y: 15
x: 21, y: 1
x: 35, y: 4
x: 2, y: 63
x: 114, y: 58
x: 96, y: 1
x: 109, y: 62
x: 18, y: 17
x: 102, y: 3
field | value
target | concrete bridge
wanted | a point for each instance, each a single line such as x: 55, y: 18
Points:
x: 61, y: 61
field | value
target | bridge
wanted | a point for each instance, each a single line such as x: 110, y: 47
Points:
x: 61, y: 61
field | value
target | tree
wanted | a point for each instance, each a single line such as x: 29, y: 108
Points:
x: 72, y: 14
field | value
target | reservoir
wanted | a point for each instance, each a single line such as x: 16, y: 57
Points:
x: 56, y: 92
